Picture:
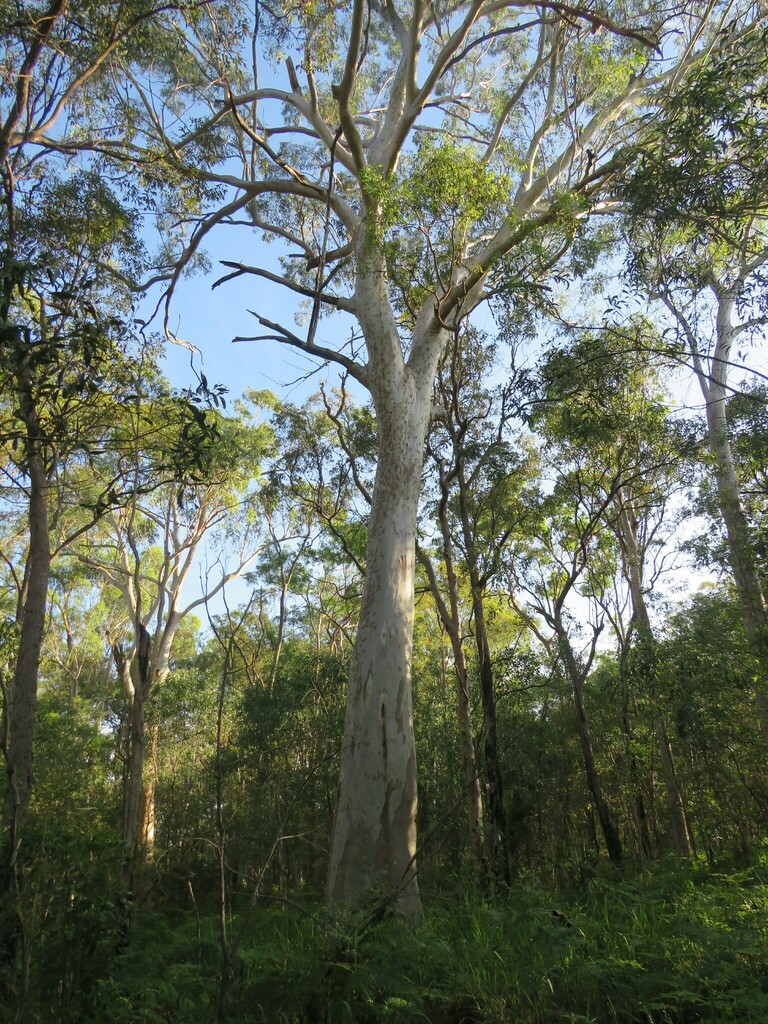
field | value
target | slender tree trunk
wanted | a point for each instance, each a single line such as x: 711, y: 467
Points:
x: 138, y: 790
x: 451, y: 620
x: 748, y: 586
x: 148, y: 786
x: 635, y: 781
x: 227, y: 643
x: 472, y: 788
x: 754, y: 613
x: 607, y: 824
x: 633, y: 565
x: 677, y: 815
x: 497, y: 820
x: 752, y: 600
x: 21, y: 700
x: 496, y: 812
x: 134, y: 790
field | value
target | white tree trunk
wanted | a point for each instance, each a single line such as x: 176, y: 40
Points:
x: 754, y: 611
x: 374, y: 834
x: 373, y: 845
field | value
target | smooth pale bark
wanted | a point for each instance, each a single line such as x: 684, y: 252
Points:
x: 752, y: 601
x: 712, y: 375
x: 147, y: 815
x: 373, y: 845
x: 374, y: 832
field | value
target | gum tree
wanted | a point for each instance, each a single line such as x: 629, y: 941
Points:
x: 481, y: 467
x: 410, y: 164
x: 602, y: 407
x: 146, y: 549
x: 61, y: 336
x: 699, y: 242
x: 64, y: 364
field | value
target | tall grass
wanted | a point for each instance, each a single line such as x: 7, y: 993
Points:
x: 676, y: 945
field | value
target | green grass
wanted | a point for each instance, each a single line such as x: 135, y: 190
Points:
x: 678, y: 945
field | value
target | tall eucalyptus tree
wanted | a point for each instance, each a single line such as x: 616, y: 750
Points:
x: 699, y: 244
x: 412, y: 163
x: 605, y: 407
x: 149, y: 544
x: 64, y: 363
x: 58, y: 316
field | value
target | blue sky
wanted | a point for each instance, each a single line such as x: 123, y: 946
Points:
x: 210, y: 318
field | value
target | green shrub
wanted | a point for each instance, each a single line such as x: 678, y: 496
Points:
x: 676, y: 945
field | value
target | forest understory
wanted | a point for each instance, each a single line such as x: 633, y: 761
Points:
x: 673, y: 944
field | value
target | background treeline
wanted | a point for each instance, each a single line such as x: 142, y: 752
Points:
x: 215, y: 891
